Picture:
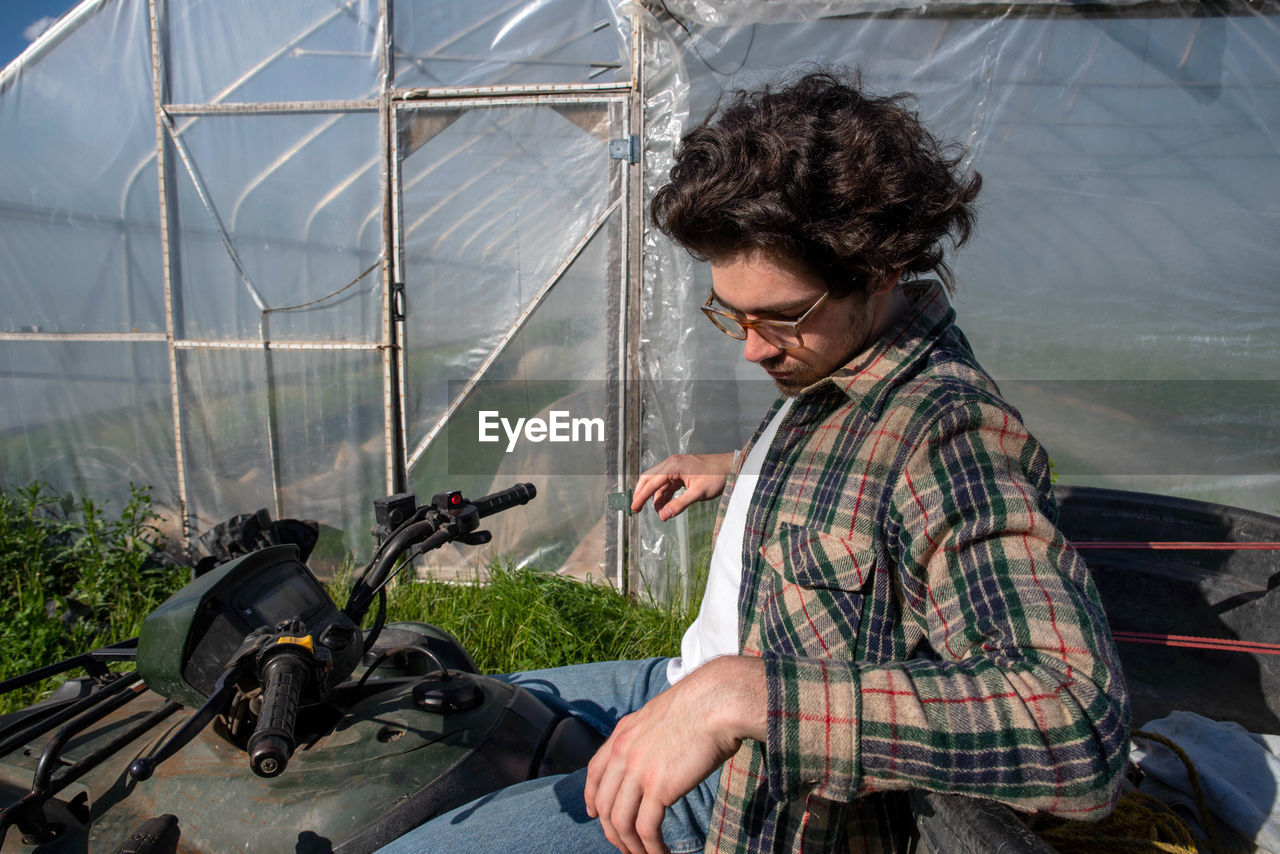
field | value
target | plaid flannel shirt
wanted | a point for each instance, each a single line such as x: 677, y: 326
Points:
x: 923, y: 623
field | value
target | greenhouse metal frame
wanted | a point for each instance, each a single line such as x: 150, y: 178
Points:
x: 410, y: 208
x: 172, y: 159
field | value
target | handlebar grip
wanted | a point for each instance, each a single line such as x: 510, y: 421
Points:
x: 157, y: 835
x: 521, y: 493
x: 272, y: 743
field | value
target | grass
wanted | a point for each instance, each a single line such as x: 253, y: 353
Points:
x: 80, y: 578
x: 76, y: 578
x: 523, y: 619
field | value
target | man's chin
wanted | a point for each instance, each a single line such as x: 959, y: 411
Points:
x: 792, y: 382
x: 786, y: 389
x: 791, y: 385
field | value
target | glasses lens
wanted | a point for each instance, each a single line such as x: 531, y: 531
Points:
x: 726, y: 324
x: 784, y: 337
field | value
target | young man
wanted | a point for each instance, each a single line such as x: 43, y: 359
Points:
x: 890, y: 605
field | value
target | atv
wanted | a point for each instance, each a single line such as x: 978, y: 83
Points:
x: 261, y: 717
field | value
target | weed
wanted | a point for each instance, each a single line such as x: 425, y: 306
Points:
x: 79, y: 579
x: 525, y: 619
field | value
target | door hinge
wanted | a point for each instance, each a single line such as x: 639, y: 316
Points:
x: 399, y: 308
x: 627, y: 148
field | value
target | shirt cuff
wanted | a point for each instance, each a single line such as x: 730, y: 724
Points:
x: 812, y: 734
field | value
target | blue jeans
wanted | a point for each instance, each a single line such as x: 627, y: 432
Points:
x: 548, y: 814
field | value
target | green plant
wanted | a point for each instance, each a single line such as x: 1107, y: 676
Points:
x: 77, y: 578
x: 80, y: 579
x: 525, y: 619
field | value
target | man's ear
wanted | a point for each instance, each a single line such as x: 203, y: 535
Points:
x: 887, y: 285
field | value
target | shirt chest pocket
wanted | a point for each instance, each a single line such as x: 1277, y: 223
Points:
x: 817, y: 586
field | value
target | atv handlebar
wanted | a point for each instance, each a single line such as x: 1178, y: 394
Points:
x: 298, y: 645
x: 284, y: 676
x: 286, y: 667
x: 521, y: 493
x: 448, y: 517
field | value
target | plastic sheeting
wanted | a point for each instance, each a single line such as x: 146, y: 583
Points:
x: 79, y: 243
x: 495, y: 204
x: 1119, y: 285
x: 58, y: 190
x: 287, y: 259
x: 104, y: 424
x: 239, y: 51
x: 263, y: 376
x: 726, y: 13
x: 504, y: 43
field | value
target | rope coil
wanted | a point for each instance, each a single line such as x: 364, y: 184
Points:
x: 1140, y: 823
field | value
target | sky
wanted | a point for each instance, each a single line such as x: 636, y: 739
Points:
x: 22, y: 20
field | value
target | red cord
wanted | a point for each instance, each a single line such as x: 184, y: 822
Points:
x: 1224, y: 644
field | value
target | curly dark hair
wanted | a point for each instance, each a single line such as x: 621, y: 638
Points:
x: 850, y: 185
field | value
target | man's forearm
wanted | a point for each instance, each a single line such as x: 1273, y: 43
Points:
x: 740, y: 708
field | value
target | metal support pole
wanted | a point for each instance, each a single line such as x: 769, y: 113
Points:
x: 631, y: 319
x: 615, y: 360
x: 175, y: 394
x: 392, y: 299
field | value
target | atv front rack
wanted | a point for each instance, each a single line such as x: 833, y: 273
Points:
x: 107, y: 692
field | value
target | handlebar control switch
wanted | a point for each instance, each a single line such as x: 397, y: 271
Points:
x: 449, y: 502
x: 391, y: 512
x: 337, y: 638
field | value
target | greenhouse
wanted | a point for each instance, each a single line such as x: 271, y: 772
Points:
x: 289, y: 254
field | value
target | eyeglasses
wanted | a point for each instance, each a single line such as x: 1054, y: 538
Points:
x: 784, y: 334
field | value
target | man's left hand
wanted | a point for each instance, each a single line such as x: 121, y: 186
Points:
x: 659, y: 753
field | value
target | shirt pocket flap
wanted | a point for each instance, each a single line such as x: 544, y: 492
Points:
x: 815, y: 559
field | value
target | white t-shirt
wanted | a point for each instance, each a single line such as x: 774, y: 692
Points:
x: 715, y: 630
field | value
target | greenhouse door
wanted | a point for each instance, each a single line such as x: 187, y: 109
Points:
x: 510, y: 230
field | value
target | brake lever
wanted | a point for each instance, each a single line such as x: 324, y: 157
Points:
x: 242, y: 664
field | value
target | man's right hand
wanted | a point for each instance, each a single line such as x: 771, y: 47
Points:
x: 701, y: 476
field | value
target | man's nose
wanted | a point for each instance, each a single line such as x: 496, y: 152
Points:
x: 756, y: 349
